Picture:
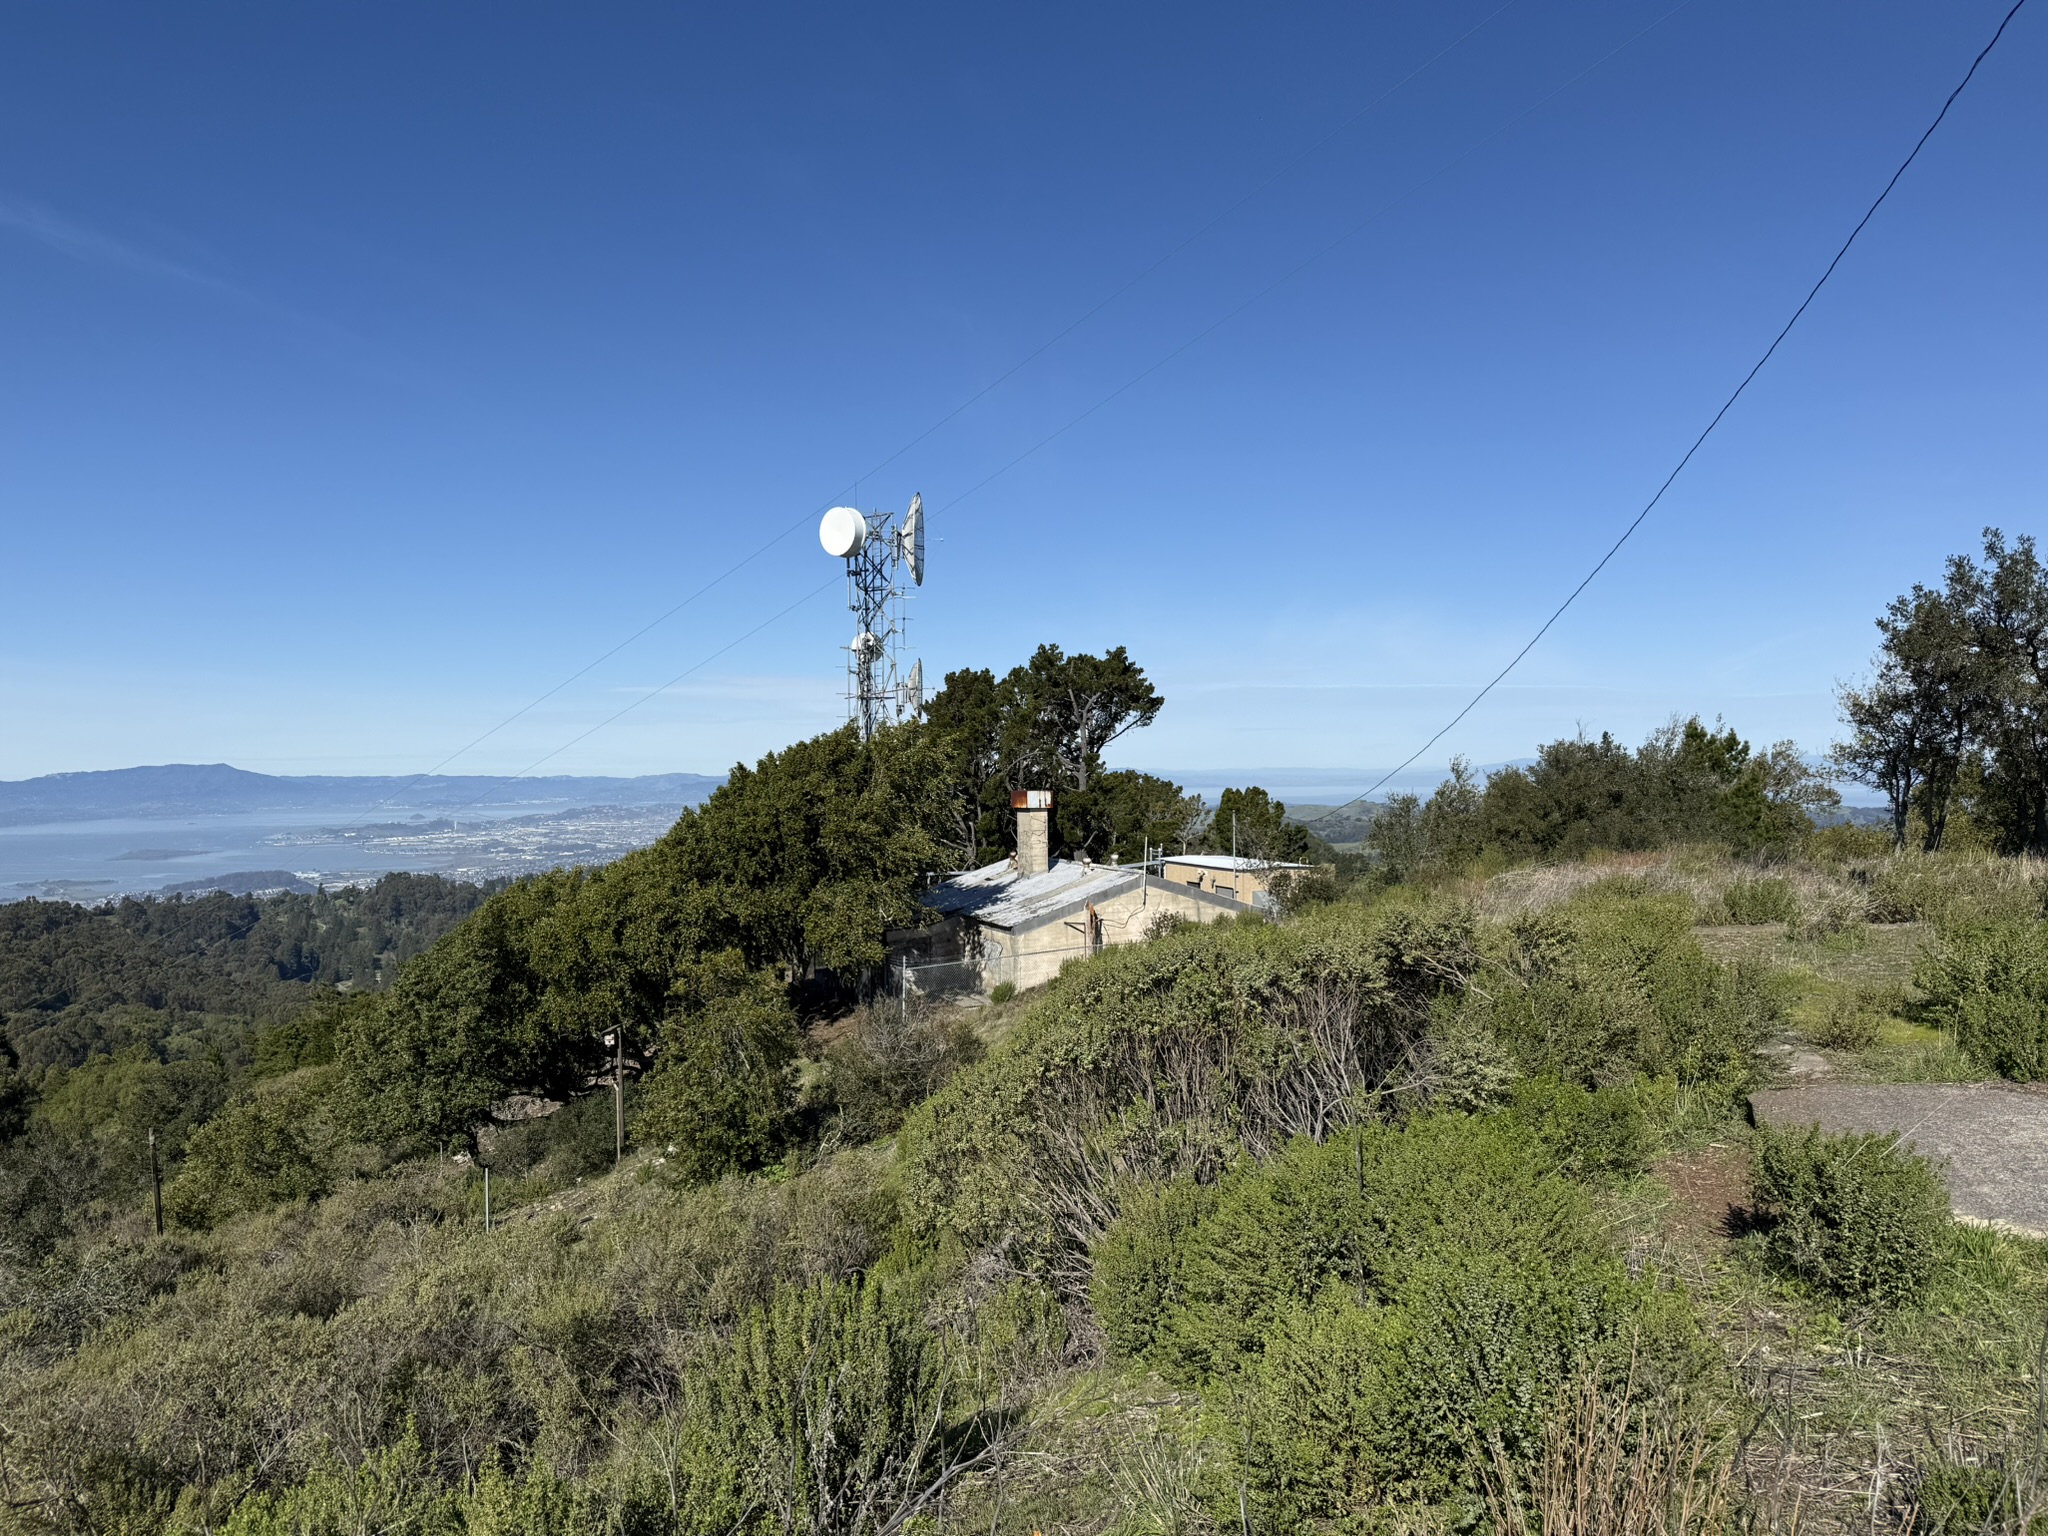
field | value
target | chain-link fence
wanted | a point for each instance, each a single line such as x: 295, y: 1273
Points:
x: 966, y: 978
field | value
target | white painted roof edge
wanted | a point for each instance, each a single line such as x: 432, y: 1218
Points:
x: 1237, y: 864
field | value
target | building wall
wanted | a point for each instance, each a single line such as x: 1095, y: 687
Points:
x: 1243, y: 885
x: 1030, y: 957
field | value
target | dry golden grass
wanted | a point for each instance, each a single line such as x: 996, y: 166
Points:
x: 1813, y: 900
x: 1876, y: 956
x: 1948, y: 888
x: 1703, y: 876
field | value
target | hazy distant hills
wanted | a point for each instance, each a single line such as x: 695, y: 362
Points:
x: 201, y: 789
x: 1341, y: 824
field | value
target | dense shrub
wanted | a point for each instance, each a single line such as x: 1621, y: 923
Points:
x: 723, y: 1090
x: 392, y: 1488
x: 831, y: 1399
x: 1856, y: 1216
x: 1613, y: 985
x: 1018, y: 1331
x: 274, y: 1143
x: 1176, y: 1057
x: 245, y: 1356
x: 1988, y: 984
x: 822, y: 1414
x: 1463, y: 1065
x: 1596, y: 1133
x: 1955, y: 1498
x: 1138, y: 1262
x: 1755, y: 900
x: 1376, y: 1308
x: 1361, y: 1209
x: 1848, y: 1022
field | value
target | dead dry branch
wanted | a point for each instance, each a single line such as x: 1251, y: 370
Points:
x: 1616, y: 1466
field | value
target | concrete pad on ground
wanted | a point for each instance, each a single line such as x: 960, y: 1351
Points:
x: 1990, y: 1140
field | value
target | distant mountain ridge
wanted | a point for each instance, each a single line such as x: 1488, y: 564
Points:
x: 189, y: 789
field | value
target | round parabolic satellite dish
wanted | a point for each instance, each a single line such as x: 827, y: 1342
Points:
x: 842, y: 531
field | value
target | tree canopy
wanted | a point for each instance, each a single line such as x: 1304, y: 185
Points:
x: 1687, y: 783
x: 803, y: 862
x: 797, y: 868
x: 1955, y: 713
x: 1252, y: 824
x: 1045, y: 725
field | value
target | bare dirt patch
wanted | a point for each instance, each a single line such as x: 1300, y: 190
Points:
x: 1709, y: 1192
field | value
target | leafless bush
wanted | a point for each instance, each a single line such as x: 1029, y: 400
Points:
x: 895, y: 1058
x: 1327, y: 1055
x: 1176, y: 1058
x: 1613, y: 1465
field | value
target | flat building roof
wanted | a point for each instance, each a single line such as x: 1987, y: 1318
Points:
x: 1234, y: 863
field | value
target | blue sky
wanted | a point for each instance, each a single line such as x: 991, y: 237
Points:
x: 370, y: 369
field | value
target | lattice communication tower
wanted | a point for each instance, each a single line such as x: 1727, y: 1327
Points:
x: 877, y: 553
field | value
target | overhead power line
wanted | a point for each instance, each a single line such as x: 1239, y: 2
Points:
x: 651, y: 693
x: 1708, y: 431
x: 974, y: 399
x: 1494, y: 682
x: 1313, y: 257
x: 1199, y: 336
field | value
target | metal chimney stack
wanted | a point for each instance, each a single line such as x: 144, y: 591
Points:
x: 1034, y: 830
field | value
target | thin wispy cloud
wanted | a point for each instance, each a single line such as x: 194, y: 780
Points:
x: 67, y: 237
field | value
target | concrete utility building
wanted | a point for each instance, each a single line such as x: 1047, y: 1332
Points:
x: 1224, y: 874
x: 1021, y: 919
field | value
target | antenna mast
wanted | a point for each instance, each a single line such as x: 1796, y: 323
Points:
x: 876, y: 553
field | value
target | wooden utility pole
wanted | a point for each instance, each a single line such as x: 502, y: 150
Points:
x: 156, y: 1185
x: 618, y: 1044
